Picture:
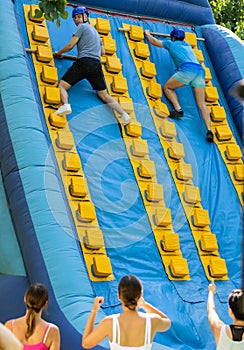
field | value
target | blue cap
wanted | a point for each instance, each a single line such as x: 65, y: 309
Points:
x: 79, y: 10
x: 178, y: 34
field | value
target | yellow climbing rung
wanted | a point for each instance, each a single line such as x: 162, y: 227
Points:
x: 72, y: 162
x: 140, y: 148
x: 136, y: 33
x: 101, y: 266
x: 86, y: 212
x: 148, y: 69
x: 217, y: 267
x: 109, y: 45
x: 178, y: 267
x: 103, y: 26
x: 154, y: 192
x: 208, y: 242
x: 170, y: 242
x: 218, y: 113
x: 168, y: 129
x: 142, y: 50
x: 176, y: 150
x: 134, y: 129
x: 200, y: 217
x: 191, y: 195
x: 147, y: 168
x: 184, y: 172
x: 154, y: 90
x: 40, y: 33
x: 49, y: 74
x: 78, y: 187
x: 223, y: 133
x: 163, y: 217
x: 94, y: 239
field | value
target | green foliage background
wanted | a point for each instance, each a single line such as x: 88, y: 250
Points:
x: 228, y: 13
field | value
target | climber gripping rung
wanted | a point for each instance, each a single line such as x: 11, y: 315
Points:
x: 154, y: 33
x: 67, y: 57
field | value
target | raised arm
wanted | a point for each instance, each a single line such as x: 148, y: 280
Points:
x: 153, y: 40
x: 67, y: 47
x: 213, y: 318
x: 163, y: 322
x: 91, y: 337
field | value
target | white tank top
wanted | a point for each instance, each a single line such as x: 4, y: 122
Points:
x: 116, y: 330
x: 225, y: 343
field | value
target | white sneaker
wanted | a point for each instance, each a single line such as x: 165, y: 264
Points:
x: 126, y: 118
x: 64, y: 110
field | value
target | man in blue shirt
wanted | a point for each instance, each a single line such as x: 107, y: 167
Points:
x: 189, y: 72
x: 87, y: 66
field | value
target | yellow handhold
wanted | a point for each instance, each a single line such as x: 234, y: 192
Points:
x: 136, y: 33
x: 57, y: 120
x: 109, y: 45
x: 52, y: 95
x: 178, y: 267
x: 148, y: 69
x: 184, y: 171
x: 147, y: 168
x: 208, y: 75
x: 218, y: 113
x: 33, y: 8
x: 217, y: 267
x: 211, y: 94
x: 40, y: 33
x: 163, y: 217
x: 113, y: 64
x: 65, y: 140
x: 192, y: 195
x: 233, y: 152
x: 154, y: 90
x: 239, y: 172
x: 200, y: 217
x: 140, y: 148
x: 161, y: 109
x: 72, y: 162
x: 126, y: 103
x: 223, y: 132
x: 142, y: 50
x: 44, y: 53
x: 134, y: 129
x: 119, y: 84
x: 168, y: 129
x: 78, y: 187
x: 102, y: 266
x: 170, y: 242
x: 86, y: 211
x: 49, y: 74
x: 191, y: 38
x: 176, y: 150
x: 103, y: 26
x: 209, y: 242
x: 94, y: 239
x: 154, y: 192
x: 199, y: 55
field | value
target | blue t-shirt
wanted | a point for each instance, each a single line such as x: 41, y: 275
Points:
x: 89, y: 43
x: 181, y: 52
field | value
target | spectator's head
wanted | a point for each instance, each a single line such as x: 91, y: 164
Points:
x: 36, y: 299
x: 130, y: 291
x: 236, y: 304
x: 177, y: 34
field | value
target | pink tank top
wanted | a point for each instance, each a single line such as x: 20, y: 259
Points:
x: 39, y: 346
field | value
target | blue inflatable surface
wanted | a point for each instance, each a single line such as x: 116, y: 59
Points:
x: 40, y: 233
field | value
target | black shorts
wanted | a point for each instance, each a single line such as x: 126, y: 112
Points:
x: 86, y: 68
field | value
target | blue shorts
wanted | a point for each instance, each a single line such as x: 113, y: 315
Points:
x: 191, y: 74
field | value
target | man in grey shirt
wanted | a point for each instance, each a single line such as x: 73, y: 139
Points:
x: 87, y: 66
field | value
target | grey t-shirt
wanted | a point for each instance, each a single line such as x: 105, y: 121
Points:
x: 89, y: 43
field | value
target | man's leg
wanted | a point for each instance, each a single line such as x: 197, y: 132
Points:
x: 112, y: 103
x: 200, y: 99
x: 65, y: 108
x: 169, y: 90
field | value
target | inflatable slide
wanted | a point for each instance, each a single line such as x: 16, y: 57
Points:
x: 85, y: 200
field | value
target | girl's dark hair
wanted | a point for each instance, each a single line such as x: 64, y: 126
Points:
x: 130, y: 289
x: 236, y: 303
x: 36, y: 298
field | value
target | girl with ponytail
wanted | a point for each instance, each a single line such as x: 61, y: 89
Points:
x: 31, y: 329
x: 131, y: 329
